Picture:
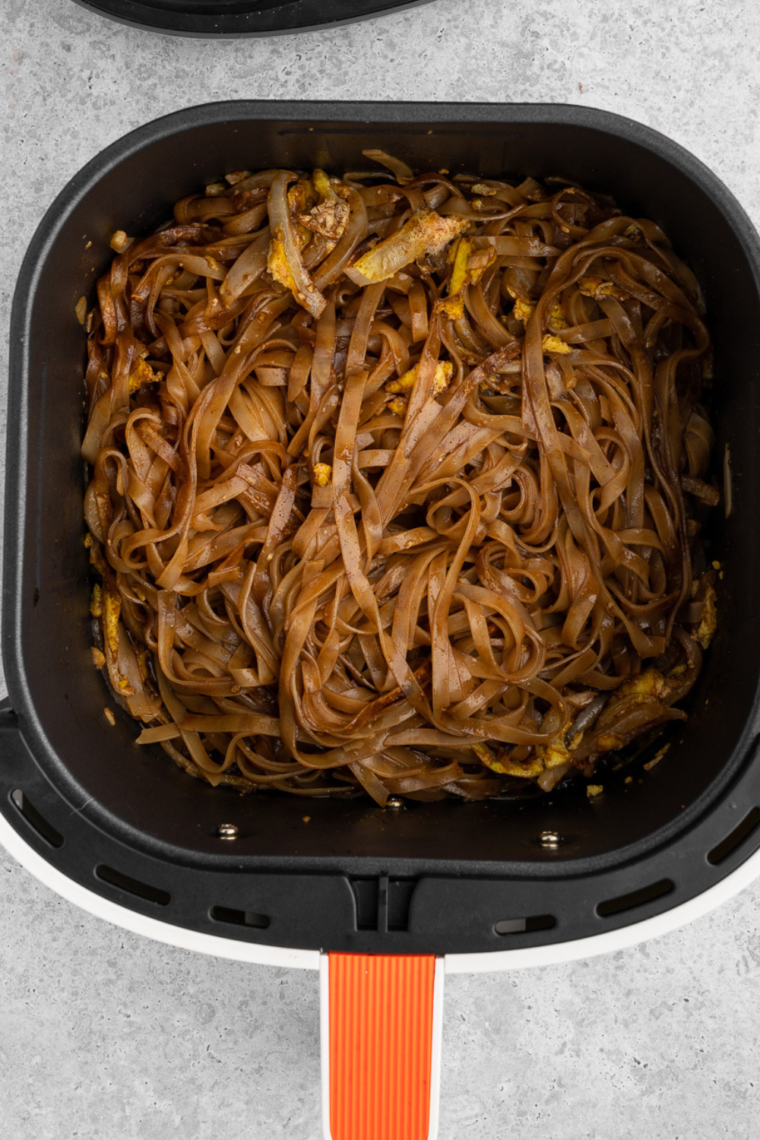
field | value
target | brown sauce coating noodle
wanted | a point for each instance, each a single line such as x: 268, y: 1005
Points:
x: 397, y: 483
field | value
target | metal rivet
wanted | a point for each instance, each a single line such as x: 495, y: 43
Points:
x: 394, y: 802
x: 550, y: 839
x: 227, y: 831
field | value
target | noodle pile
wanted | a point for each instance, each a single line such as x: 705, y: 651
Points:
x: 397, y: 483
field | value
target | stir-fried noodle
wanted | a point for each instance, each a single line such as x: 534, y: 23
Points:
x: 397, y: 482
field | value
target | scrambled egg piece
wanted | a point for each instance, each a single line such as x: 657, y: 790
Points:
x: 277, y: 263
x: 300, y: 195
x: 648, y: 683
x: 424, y: 233
x: 469, y: 264
x: 397, y: 406
x: 469, y: 267
x: 141, y: 376
x: 444, y: 370
x: 554, y: 754
x: 98, y: 658
x: 523, y: 310
x: 443, y: 373
x: 452, y: 307
x: 96, y: 602
x: 529, y: 770
x: 301, y: 198
x: 554, y: 344
x: 405, y: 382
x: 322, y: 184
x: 557, y: 752
x: 709, y: 621
x: 459, y: 254
x: 111, y: 613
x: 322, y: 474
x: 557, y: 317
x: 594, y: 790
x: 598, y: 288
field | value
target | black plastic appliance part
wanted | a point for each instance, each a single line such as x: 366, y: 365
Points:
x: 220, y: 19
x: 440, y: 877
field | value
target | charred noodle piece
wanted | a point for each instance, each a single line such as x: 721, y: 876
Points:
x: 414, y: 522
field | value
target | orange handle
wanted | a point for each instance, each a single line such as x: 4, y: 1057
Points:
x: 381, y: 1030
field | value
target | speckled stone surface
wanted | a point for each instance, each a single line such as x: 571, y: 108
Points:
x: 106, y: 1036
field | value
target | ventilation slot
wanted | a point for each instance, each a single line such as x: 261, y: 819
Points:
x: 734, y: 838
x: 383, y: 904
x: 132, y: 886
x: 526, y: 925
x: 400, y: 893
x: 240, y: 917
x: 635, y: 898
x: 37, y: 821
x: 366, y: 894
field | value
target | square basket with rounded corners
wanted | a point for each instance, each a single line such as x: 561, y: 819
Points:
x: 438, y: 878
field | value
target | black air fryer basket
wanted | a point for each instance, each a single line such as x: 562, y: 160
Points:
x: 222, y: 19
x: 433, y: 878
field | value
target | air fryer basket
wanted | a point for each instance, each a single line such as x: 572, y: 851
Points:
x: 436, y: 878
x: 232, y: 18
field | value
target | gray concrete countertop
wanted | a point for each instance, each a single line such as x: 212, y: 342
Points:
x: 107, y: 1036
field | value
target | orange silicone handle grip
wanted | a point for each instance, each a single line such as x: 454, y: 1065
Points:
x: 381, y: 1033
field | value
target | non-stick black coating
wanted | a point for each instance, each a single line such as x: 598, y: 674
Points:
x: 154, y: 822
x: 215, y: 19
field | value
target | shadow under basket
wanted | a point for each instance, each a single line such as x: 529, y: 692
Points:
x: 437, y: 878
